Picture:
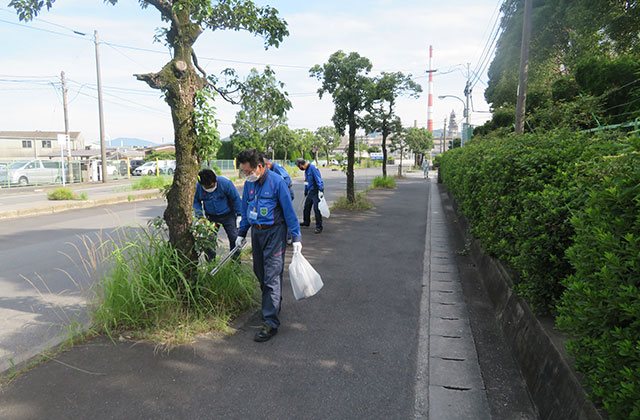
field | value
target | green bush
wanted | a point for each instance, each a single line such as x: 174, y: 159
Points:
x: 64, y: 193
x: 601, y: 304
x: 383, y: 182
x: 563, y: 211
x: 518, y: 194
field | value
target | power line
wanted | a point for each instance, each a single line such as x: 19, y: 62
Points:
x: 489, y: 41
x: 35, y: 28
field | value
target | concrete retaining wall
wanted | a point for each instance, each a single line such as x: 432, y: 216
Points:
x: 553, y: 384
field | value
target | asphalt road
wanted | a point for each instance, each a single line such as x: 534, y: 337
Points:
x: 43, y: 282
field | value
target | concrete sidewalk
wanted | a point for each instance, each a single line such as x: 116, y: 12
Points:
x: 388, y: 337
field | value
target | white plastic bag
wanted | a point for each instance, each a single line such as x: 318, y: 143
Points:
x: 305, y: 281
x: 324, y: 208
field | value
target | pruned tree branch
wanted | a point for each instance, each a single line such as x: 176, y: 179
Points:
x: 152, y: 79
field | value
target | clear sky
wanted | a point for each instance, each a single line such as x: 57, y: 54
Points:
x: 394, y: 35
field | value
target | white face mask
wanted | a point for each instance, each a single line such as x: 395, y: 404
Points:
x: 210, y: 190
x: 254, y: 177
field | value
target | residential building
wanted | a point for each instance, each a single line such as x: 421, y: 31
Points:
x: 35, y: 144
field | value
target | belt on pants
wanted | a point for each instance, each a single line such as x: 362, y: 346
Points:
x: 263, y: 227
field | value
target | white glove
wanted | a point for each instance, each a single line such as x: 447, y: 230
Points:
x: 297, y: 247
x: 240, y: 242
x: 320, y: 195
x: 238, y: 220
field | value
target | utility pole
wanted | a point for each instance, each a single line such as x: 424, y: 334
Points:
x: 524, y: 67
x: 467, y: 110
x: 103, y: 149
x: 66, y: 126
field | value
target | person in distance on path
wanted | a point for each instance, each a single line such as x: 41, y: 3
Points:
x: 217, y: 199
x: 267, y: 209
x: 313, y: 192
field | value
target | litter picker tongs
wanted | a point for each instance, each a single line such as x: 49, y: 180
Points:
x: 225, y: 260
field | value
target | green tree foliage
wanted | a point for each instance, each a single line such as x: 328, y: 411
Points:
x: 399, y: 143
x: 159, y: 155
x: 264, y: 105
x: 179, y: 82
x: 578, y: 48
x: 419, y: 141
x: 329, y: 139
x: 281, y: 139
x: 382, y: 118
x: 345, y: 78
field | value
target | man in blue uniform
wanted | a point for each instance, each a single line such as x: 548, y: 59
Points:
x: 313, y: 192
x: 267, y: 209
x: 221, y: 203
x: 280, y: 170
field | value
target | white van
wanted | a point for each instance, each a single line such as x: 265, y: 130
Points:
x: 30, y: 172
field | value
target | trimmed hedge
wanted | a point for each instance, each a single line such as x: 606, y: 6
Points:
x: 563, y: 211
x: 601, y: 305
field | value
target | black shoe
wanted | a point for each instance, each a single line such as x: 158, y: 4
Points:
x: 304, y: 225
x: 265, y: 334
x: 318, y: 230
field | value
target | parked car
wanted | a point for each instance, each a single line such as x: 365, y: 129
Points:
x: 134, y: 163
x: 34, y: 171
x: 111, y: 169
x: 334, y: 162
x: 344, y: 162
x: 164, y: 167
x: 169, y: 168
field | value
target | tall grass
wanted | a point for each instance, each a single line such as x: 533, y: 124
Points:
x: 151, y: 289
x: 149, y: 182
x: 64, y: 193
x: 383, y: 182
x: 361, y: 203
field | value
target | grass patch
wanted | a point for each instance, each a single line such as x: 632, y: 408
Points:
x: 149, y: 182
x: 64, y: 193
x: 383, y: 182
x: 152, y: 292
x: 361, y: 203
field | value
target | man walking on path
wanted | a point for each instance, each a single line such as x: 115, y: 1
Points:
x: 313, y: 191
x: 217, y: 199
x: 267, y: 209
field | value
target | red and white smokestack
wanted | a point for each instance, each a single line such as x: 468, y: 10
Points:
x: 430, y: 106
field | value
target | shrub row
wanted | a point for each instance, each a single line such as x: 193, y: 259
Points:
x: 563, y: 211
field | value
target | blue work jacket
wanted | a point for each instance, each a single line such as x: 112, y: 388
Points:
x: 268, y: 202
x: 223, y: 200
x: 312, y: 180
x: 280, y: 170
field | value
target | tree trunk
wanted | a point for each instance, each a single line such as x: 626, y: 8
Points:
x: 180, y: 82
x: 351, y: 196
x: 384, y: 153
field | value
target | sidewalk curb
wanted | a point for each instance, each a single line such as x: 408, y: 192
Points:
x: 73, y: 205
x: 553, y: 384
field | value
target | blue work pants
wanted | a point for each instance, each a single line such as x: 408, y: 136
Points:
x: 312, y: 200
x: 228, y: 222
x: 269, y: 247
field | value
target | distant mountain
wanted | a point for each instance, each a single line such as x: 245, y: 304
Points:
x: 130, y: 142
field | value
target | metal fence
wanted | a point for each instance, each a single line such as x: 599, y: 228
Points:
x: 25, y: 172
